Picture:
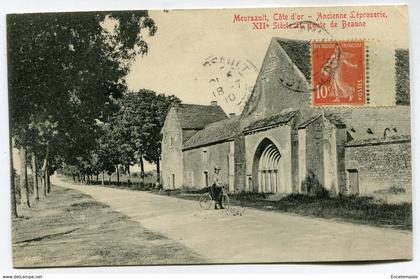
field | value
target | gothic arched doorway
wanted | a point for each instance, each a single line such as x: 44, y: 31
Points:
x: 266, y: 170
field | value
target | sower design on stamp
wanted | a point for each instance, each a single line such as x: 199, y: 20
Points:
x: 338, y: 69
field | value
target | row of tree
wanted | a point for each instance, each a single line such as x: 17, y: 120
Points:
x: 130, y: 136
x: 68, y: 101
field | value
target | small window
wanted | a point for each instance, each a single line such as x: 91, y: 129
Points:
x: 206, y: 179
x: 353, y: 181
x: 205, y: 156
x: 173, y: 181
x: 250, y: 186
x: 172, y: 141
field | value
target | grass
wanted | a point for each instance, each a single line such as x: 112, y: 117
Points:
x: 72, y: 229
x: 361, y: 210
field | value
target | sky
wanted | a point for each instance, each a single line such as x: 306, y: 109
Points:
x: 187, y: 39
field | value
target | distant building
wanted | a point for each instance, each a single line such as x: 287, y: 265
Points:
x: 280, y: 139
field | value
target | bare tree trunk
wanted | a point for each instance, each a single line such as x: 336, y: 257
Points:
x: 35, y: 176
x: 103, y: 178
x: 141, y: 171
x: 45, y: 170
x: 129, y: 175
x: 97, y: 178
x: 118, y: 176
x: 24, y: 188
x: 48, y: 183
x: 158, y: 171
x: 12, y: 181
x: 42, y: 181
x: 39, y: 181
x: 109, y: 179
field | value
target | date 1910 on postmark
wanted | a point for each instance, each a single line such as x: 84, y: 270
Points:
x: 338, y: 73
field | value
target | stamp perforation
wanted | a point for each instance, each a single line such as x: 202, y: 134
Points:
x: 338, y: 73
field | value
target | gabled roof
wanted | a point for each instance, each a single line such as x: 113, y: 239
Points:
x: 376, y: 141
x: 370, y: 123
x: 299, y: 53
x: 274, y: 120
x: 333, y: 118
x: 282, y: 56
x: 198, y: 116
x: 215, y: 132
x: 309, y: 121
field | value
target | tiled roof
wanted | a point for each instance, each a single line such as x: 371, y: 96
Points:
x: 306, y: 123
x: 368, y: 123
x: 198, y: 116
x: 371, y: 123
x: 333, y: 118
x: 281, y: 118
x: 374, y: 141
x: 215, y: 132
x: 282, y: 55
x: 299, y: 53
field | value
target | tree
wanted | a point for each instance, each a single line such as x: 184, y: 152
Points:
x: 66, y: 71
x: 24, y: 188
x: 139, y: 123
x: 153, y: 148
x: 12, y: 182
x: 35, y: 176
x: 108, y: 150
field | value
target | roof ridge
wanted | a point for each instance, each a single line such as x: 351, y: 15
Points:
x: 214, y: 132
x: 271, y: 120
x: 199, y: 105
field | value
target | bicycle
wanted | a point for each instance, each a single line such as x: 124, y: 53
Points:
x: 206, y: 200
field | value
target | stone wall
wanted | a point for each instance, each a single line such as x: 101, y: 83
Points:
x: 197, y: 161
x: 380, y: 166
x: 171, y: 162
x: 321, y: 152
x: 279, y: 86
x: 239, y: 159
x: 330, y: 158
x: 281, y: 137
x: 314, y: 150
x: 341, y: 139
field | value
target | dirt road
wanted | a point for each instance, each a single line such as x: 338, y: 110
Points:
x: 254, y: 236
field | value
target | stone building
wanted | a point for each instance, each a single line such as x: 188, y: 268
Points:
x: 280, y: 139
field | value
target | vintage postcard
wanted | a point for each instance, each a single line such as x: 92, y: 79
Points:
x: 259, y: 135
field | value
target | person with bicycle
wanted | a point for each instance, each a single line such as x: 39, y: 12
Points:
x: 217, y: 188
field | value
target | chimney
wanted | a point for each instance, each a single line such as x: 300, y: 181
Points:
x: 231, y: 115
x: 213, y: 103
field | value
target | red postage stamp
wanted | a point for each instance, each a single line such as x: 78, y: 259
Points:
x: 338, y: 73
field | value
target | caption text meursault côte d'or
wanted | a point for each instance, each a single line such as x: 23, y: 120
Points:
x: 282, y: 20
